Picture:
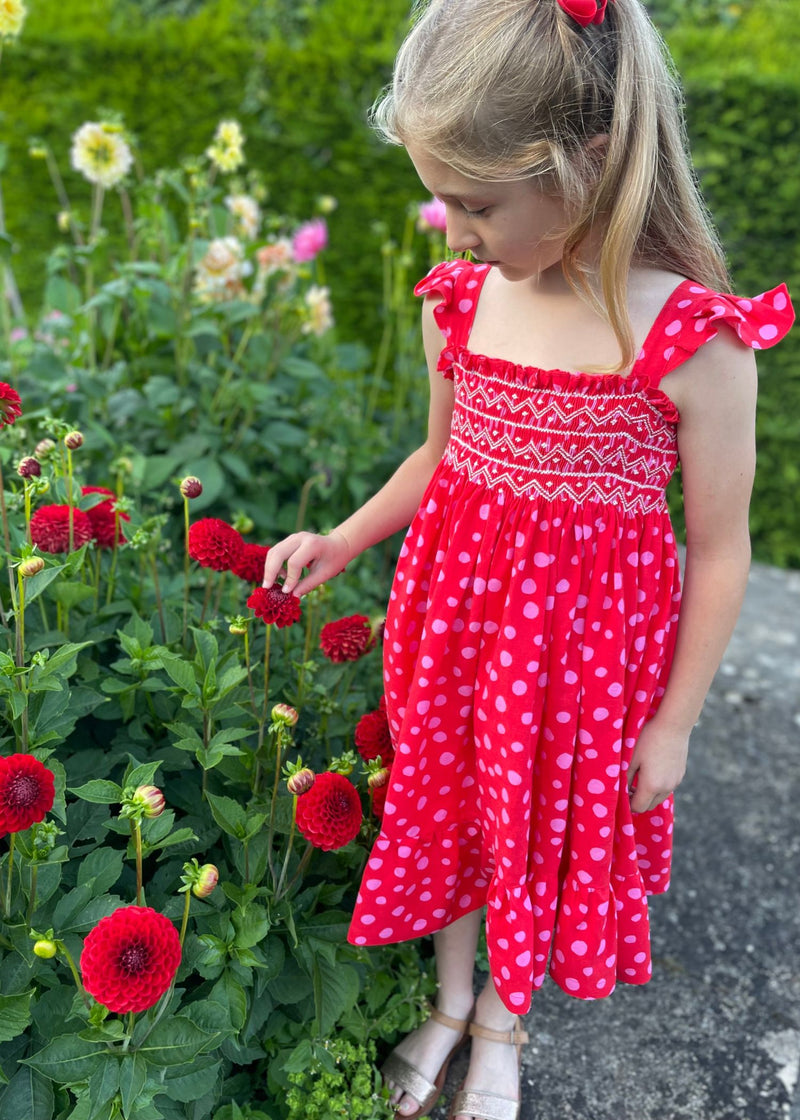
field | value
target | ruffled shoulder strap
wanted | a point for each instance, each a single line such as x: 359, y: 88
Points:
x: 459, y: 284
x: 692, y: 316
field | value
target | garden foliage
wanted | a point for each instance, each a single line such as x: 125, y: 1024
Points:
x: 175, y: 882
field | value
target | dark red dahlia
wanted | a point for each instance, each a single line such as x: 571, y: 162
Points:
x: 27, y: 792
x: 329, y: 814
x: 373, y: 737
x: 347, y: 639
x: 130, y: 958
x: 50, y: 528
x: 106, y: 529
x: 215, y: 544
x: 250, y: 565
x: 274, y: 606
x: 10, y: 404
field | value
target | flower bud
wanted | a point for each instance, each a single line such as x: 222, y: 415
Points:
x: 151, y: 799
x: 242, y: 523
x: 37, y: 151
x: 64, y: 221
x: 73, y: 440
x: 205, y: 881
x: 191, y: 487
x: 238, y: 628
x: 45, y: 948
x: 31, y: 567
x: 29, y: 467
x: 379, y: 778
x: 284, y: 714
x: 43, y: 448
x: 326, y: 203
x: 301, y: 781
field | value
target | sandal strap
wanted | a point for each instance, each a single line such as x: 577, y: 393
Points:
x: 410, y: 1080
x: 514, y: 1037
x: 487, y: 1106
x: 438, y: 1016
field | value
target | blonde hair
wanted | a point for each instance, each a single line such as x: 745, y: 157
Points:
x: 514, y: 89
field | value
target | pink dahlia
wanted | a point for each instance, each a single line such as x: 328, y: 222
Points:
x: 309, y: 240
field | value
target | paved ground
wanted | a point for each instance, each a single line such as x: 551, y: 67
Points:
x: 716, y: 1033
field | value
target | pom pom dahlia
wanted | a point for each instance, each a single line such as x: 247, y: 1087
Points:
x: 50, y: 528
x: 309, y: 240
x: 373, y: 738
x: 329, y: 814
x: 274, y: 606
x: 215, y: 544
x: 10, y: 404
x: 27, y: 792
x: 130, y: 958
x: 250, y: 565
x: 106, y: 529
x: 347, y: 639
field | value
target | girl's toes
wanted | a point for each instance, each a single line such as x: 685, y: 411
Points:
x: 407, y: 1106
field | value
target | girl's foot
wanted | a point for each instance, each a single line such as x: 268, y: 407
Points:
x: 494, y: 1067
x: 426, y: 1049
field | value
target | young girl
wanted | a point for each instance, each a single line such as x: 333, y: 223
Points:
x: 542, y: 672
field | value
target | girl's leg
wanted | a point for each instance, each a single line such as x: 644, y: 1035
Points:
x: 493, y: 1066
x: 427, y: 1047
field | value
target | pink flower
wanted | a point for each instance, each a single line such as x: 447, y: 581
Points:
x: 432, y: 215
x: 309, y: 240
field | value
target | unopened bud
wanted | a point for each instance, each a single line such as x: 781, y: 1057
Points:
x: 43, y: 448
x: 205, y: 881
x: 29, y: 467
x: 64, y: 220
x: 326, y: 203
x: 285, y: 714
x: 242, y: 523
x: 31, y: 567
x: 191, y: 487
x: 379, y: 778
x: 73, y: 440
x: 238, y: 628
x: 45, y: 948
x: 151, y: 799
x: 301, y: 782
x: 37, y: 151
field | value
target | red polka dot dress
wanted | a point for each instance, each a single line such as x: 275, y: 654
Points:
x: 528, y: 639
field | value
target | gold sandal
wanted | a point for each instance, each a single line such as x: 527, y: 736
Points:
x: 490, y: 1106
x: 410, y: 1080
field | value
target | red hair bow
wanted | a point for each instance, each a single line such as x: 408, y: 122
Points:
x: 585, y: 12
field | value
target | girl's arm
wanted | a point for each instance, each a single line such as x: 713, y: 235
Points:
x: 390, y: 509
x: 716, y: 394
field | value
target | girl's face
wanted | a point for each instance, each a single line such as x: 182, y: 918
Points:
x: 510, y: 225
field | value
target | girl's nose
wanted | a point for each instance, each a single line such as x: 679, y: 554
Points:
x: 459, y: 236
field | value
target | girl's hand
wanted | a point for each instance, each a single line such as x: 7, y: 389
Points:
x: 324, y: 557
x: 658, y: 764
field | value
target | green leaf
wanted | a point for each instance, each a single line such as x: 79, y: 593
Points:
x: 181, y: 673
x: 141, y: 775
x: 175, y: 1042
x: 69, y: 595
x: 99, y: 792
x: 230, y: 995
x: 193, y: 1083
x: 229, y: 815
x: 251, y: 925
x: 15, y: 1014
x: 132, y: 1079
x: 100, y: 869
x: 63, y: 661
x: 300, y: 1058
x: 104, y: 1082
x: 336, y: 989
x: 29, y: 1096
x: 67, y: 1059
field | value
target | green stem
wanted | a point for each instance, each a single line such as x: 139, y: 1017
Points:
x: 185, y: 568
x: 159, y: 602
x: 75, y: 974
x: 136, y: 830
x: 11, y: 840
x: 231, y: 369
x: 186, y: 903
x: 32, y: 895
x: 69, y: 501
x: 286, y: 858
x: 302, y: 865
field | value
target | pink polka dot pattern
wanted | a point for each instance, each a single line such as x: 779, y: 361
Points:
x: 529, y: 636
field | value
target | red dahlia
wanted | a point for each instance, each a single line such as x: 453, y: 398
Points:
x: 373, y: 737
x: 347, y: 639
x: 329, y: 814
x: 106, y: 529
x: 10, y: 404
x: 130, y: 958
x: 27, y: 792
x: 215, y: 544
x: 250, y: 565
x: 50, y: 528
x: 274, y: 606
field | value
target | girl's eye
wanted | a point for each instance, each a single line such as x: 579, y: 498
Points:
x: 474, y: 213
